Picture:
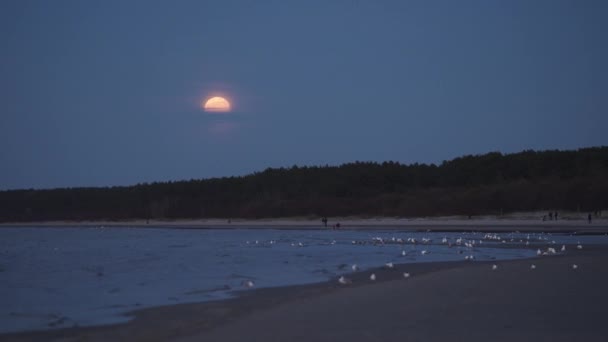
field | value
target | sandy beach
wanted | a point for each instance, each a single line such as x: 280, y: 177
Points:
x: 529, y: 221
x: 439, y: 301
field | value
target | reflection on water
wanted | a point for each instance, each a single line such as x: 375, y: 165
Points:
x: 62, y: 277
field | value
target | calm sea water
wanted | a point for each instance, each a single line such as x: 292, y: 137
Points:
x: 62, y: 277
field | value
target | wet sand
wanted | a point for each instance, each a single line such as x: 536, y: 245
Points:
x: 439, y: 302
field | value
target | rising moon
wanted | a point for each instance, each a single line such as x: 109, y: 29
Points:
x: 217, y: 104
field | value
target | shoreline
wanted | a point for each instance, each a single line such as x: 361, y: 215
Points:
x: 521, y: 222
x: 254, y: 310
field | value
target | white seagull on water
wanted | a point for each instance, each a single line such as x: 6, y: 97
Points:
x: 344, y: 281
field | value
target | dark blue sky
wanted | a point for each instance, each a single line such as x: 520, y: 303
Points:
x: 108, y: 92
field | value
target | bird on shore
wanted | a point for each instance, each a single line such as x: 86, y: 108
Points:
x: 355, y: 267
x: 372, y: 277
x: 579, y: 246
x: 574, y: 267
x: 406, y: 275
x: 403, y: 253
x: 424, y: 252
x: 344, y: 281
x: 563, y: 248
x: 389, y: 265
x: 538, y: 252
x: 532, y: 267
x: 248, y: 283
x: 494, y: 267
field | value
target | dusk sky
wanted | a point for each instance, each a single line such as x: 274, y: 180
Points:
x: 98, y: 93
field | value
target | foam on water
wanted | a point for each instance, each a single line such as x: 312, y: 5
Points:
x: 62, y: 277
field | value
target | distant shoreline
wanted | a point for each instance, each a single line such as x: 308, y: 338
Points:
x: 522, y: 222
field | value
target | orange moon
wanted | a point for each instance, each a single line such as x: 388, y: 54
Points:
x: 217, y: 104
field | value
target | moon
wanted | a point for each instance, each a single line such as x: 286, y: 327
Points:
x: 217, y: 104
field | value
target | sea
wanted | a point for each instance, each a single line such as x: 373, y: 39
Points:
x: 59, y: 277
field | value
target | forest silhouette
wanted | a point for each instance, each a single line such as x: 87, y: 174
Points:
x: 491, y: 183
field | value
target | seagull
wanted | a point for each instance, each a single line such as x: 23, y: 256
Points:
x: 406, y: 275
x: 579, y: 246
x: 372, y: 277
x: 424, y: 252
x: 494, y: 267
x: 532, y: 267
x: 249, y: 283
x: 344, y: 281
x: 538, y: 252
x: 355, y: 267
x: 403, y: 253
x: 389, y: 265
x: 563, y: 248
x: 575, y: 266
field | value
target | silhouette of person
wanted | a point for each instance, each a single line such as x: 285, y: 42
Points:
x: 556, y: 216
x: 551, y: 215
x: 324, y: 220
x: 589, y: 218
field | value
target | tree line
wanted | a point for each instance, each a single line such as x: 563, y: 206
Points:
x: 491, y: 183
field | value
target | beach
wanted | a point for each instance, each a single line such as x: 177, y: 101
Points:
x: 439, y: 301
x: 525, y: 221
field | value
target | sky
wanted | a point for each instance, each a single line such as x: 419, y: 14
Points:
x: 109, y: 92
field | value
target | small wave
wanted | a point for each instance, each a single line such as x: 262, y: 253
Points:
x: 207, y: 291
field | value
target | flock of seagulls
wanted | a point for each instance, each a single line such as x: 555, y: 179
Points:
x: 468, y: 243
x: 458, y: 242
